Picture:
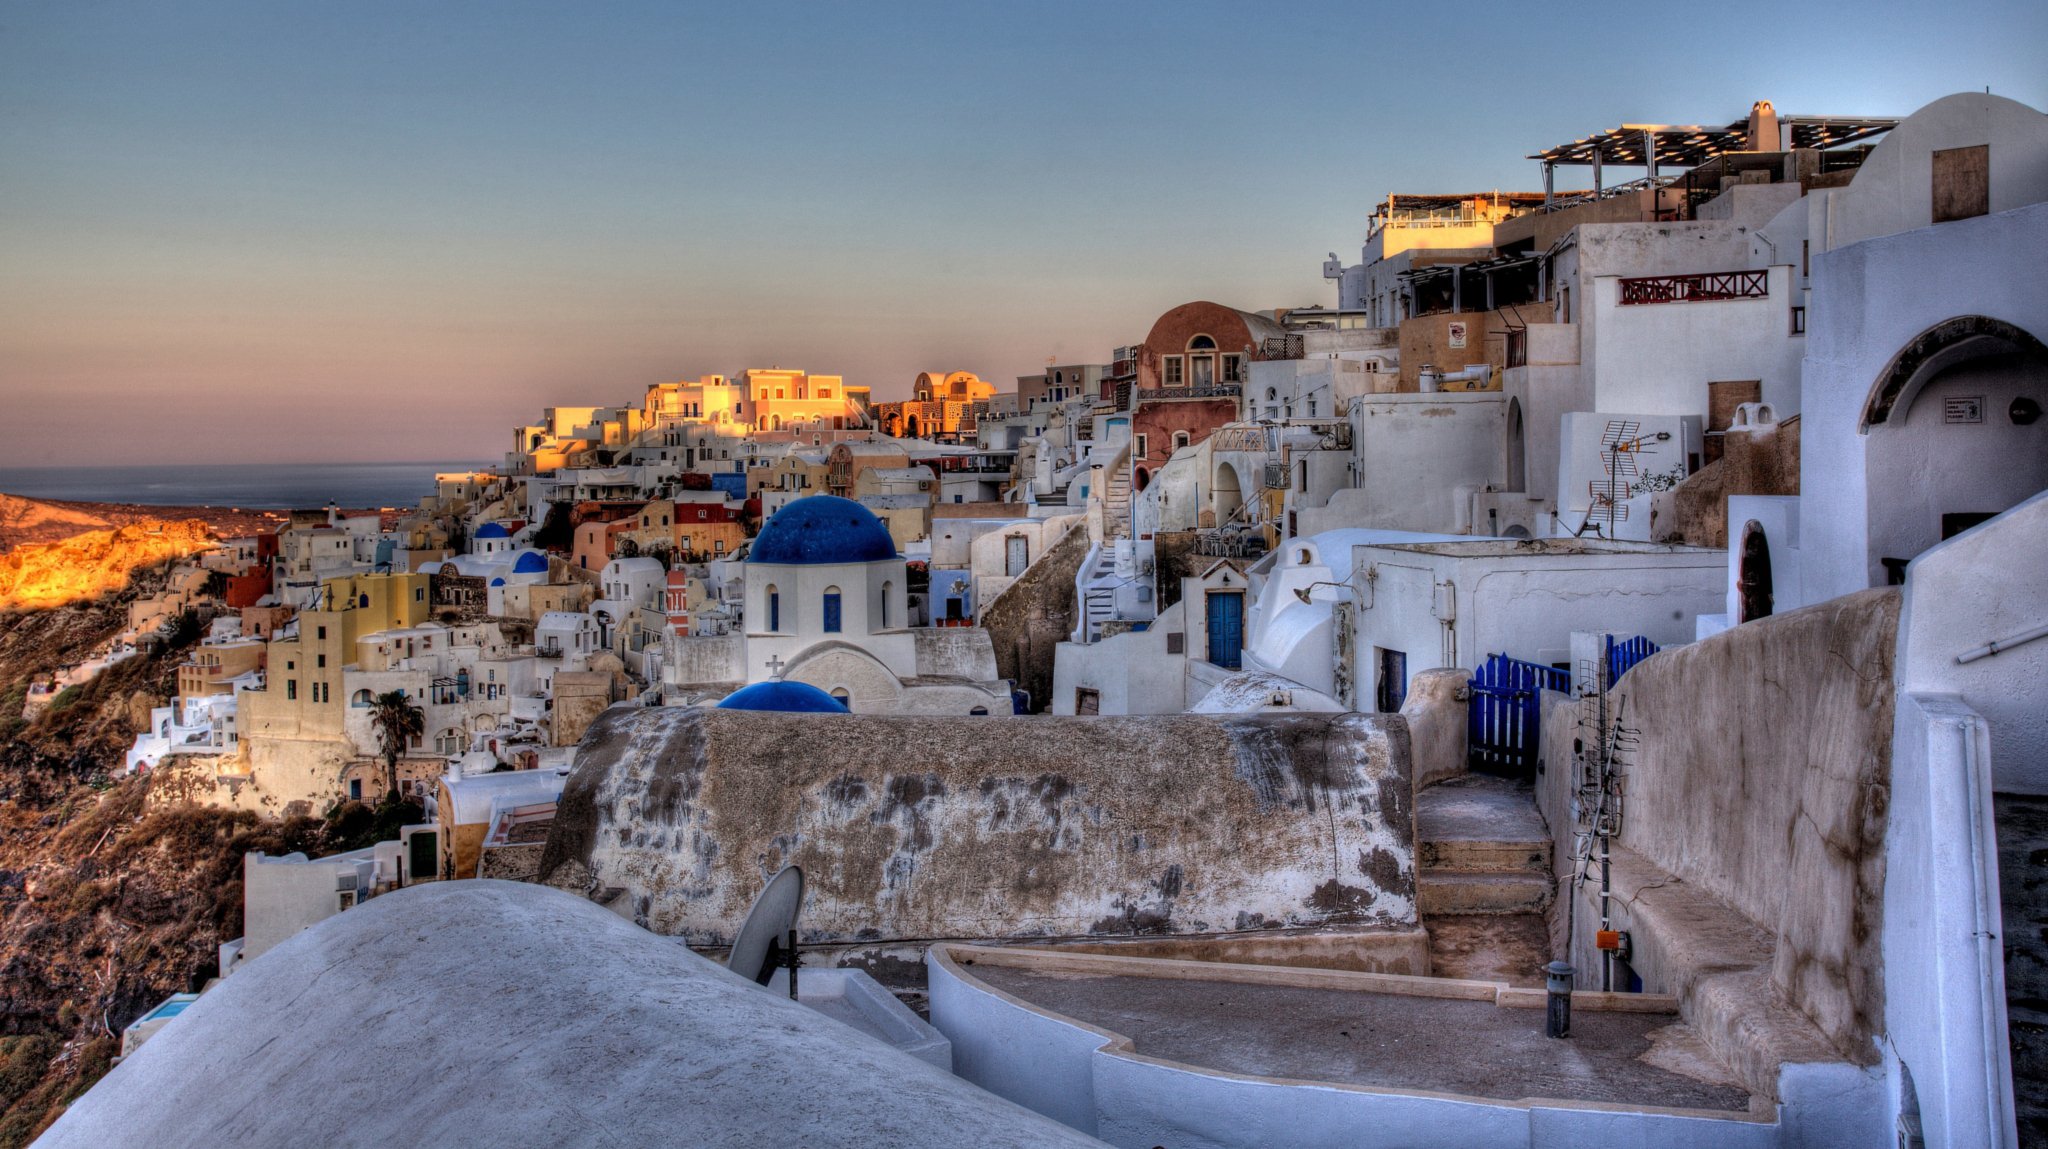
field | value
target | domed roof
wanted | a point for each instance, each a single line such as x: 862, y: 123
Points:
x: 532, y: 562
x: 499, y: 581
x: 492, y: 531
x: 822, y: 529
x: 789, y: 697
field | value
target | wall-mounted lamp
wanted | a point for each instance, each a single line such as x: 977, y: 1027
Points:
x: 1301, y: 592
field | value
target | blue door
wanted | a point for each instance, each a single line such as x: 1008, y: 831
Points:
x: 1226, y: 628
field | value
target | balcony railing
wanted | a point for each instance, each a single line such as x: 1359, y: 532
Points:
x: 1707, y: 287
x: 1215, y: 391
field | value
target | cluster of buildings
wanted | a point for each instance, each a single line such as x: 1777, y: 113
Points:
x: 1797, y: 362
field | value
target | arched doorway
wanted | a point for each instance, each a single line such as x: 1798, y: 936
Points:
x: 1754, y: 590
x: 1954, y: 435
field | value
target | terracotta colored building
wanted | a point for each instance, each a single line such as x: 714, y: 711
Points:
x: 1190, y: 371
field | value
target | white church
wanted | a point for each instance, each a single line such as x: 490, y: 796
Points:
x: 827, y: 604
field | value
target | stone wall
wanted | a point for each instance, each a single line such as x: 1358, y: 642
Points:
x: 1028, y: 621
x: 1761, y: 462
x: 916, y: 829
x: 1762, y: 778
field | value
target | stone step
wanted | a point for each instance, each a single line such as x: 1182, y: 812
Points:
x: 1448, y: 892
x: 1471, y: 855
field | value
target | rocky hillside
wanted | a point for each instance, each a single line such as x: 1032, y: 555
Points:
x: 106, y: 907
x: 37, y: 576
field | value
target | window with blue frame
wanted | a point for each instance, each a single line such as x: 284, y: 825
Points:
x: 831, y: 610
x: 774, y: 609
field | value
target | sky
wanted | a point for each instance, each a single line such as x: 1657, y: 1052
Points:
x: 369, y: 231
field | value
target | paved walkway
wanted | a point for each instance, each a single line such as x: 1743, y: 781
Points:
x: 1469, y: 1047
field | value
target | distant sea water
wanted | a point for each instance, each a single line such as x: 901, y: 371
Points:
x: 260, y: 486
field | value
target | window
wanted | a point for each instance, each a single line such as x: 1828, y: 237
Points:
x: 1233, y: 368
x: 1142, y: 451
x: 774, y: 609
x: 320, y: 661
x: 1203, y: 373
x: 979, y: 711
x: 831, y: 606
x: 419, y: 594
x: 1201, y: 343
x: 1170, y: 371
x: 291, y: 689
x: 1962, y: 183
x: 355, y: 789
x: 320, y: 632
x: 1799, y: 321
x: 1087, y: 701
x: 448, y: 743
x: 362, y: 602
x: 360, y: 700
x: 888, y: 588
x: 1181, y: 439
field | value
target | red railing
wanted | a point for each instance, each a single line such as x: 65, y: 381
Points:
x: 1696, y: 288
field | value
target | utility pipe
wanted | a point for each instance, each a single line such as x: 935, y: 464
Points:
x: 2002, y: 645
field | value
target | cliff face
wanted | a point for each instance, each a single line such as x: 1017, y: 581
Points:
x: 37, y: 576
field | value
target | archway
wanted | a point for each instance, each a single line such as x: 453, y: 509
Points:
x: 1954, y: 435
x: 1518, y: 465
x: 1226, y: 492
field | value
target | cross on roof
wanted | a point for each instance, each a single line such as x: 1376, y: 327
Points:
x: 774, y: 665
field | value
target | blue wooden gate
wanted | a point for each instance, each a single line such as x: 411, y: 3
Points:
x: 1623, y: 655
x: 1505, y: 734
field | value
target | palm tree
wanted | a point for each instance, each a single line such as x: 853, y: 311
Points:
x: 397, y: 722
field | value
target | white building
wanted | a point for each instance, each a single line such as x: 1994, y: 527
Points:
x: 826, y: 603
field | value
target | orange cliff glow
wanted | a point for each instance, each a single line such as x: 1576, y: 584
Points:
x: 39, y: 576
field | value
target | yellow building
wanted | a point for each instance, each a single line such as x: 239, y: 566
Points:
x: 945, y: 405
x: 779, y: 400
x: 302, y: 696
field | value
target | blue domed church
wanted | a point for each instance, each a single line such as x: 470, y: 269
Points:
x: 827, y: 605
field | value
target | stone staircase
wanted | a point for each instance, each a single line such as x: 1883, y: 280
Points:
x: 1481, y: 848
x: 1116, y: 498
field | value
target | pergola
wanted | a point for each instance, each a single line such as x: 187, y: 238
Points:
x: 1651, y: 145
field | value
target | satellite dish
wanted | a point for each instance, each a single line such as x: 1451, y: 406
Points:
x: 772, y: 919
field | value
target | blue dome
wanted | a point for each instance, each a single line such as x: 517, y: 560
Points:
x: 532, y: 562
x: 822, y: 529
x: 500, y: 581
x: 492, y: 531
x: 791, y: 697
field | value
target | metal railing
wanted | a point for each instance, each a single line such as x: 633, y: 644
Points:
x: 1702, y: 288
x: 1215, y: 391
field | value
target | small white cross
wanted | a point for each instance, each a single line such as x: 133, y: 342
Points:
x: 774, y: 665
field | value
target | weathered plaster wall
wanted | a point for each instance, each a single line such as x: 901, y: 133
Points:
x: 1438, y: 713
x: 929, y: 828
x: 1033, y: 615
x: 1763, y: 776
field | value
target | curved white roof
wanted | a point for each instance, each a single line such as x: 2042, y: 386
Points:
x: 506, y: 1014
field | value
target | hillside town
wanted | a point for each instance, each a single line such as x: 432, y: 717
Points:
x: 1619, y: 592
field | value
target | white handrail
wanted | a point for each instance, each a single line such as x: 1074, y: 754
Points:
x: 2003, y: 644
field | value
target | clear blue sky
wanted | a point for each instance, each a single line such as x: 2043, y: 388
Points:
x: 375, y: 230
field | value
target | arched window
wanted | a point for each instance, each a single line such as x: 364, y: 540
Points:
x: 1201, y: 343
x: 363, y: 602
x: 844, y: 698
x: 979, y: 711
x: 1180, y: 439
x: 360, y: 700
x: 774, y: 608
x: 831, y: 610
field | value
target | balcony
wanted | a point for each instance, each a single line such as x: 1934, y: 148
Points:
x: 1704, y: 288
x: 1214, y: 391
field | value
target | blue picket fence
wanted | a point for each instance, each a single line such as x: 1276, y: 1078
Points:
x: 1623, y: 655
x: 1506, y: 711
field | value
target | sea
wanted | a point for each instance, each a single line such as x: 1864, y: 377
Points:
x: 251, y: 486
